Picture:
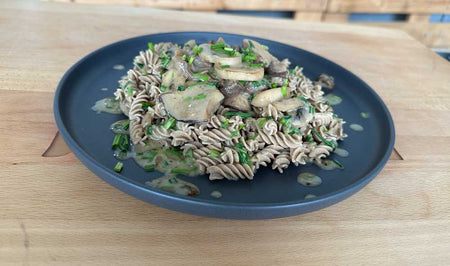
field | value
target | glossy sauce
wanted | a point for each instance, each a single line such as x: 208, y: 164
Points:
x: 328, y: 165
x: 356, y: 127
x: 309, y: 180
x: 310, y: 196
x: 365, y: 115
x: 216, y: 194
x: 341, y: 152
x: 107, y: 105
x: 173, y: 184
x: 119, y: 67
x: 333, y: 99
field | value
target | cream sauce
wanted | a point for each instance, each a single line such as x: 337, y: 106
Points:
x: 328, y: 165
x: 171, y: 183
x: 120, y: 127
x: 356, y: 127
x: 119, y: 67
x: 216, y: 194
x: 104, y: 89
x: 365, y: 115
x: 107, y: 105
x: 333, y: 99
x: 341, y: 152
x: 310, y: 196
x: 309, y: 180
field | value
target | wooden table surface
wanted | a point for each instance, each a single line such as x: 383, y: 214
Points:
x: 53, y: 210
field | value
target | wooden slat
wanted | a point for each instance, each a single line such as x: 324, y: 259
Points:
x: 308, y: 16
x: 424, y: 18
x: 335, y: 17
x: 389, y: 6
x: 218, y: 5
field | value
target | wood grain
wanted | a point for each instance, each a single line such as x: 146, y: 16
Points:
x: 55, y: 211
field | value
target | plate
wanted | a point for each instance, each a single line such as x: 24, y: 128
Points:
x: 270, y: 194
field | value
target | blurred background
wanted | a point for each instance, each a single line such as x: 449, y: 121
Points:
x: 426, y: 20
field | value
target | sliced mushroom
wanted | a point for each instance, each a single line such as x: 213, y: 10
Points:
x: 258, y: 49
x: 288, y: 104
x: 239, y: 72
x: 211, y: 56
x: 172, y: 80
x: 239, y: 101
x: 301, y: 117
x: 230, y: 87
x: 196, y: 103
x: 279, y: 68
x: 326, y: 81
x: 263, y: 98
x: 255, y: 87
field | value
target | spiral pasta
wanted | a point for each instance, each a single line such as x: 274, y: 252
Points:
x: 226, y: 139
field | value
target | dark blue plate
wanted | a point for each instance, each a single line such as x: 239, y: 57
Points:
x: 270, y: 194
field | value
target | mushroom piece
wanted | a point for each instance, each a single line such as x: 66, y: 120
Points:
x: 279, y: 68
x: 258, y: 49
x: 172, y: 80
x: 196, y: 103
x: 263, y: 98
x: 239, y: 72
x: 239, y: 101
x: 230, y: 87
x: 211, y: 56
x: 288, y: 104
x: 326, y: 81
x: 301, y: 117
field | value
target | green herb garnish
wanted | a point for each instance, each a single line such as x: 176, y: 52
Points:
x: 225, y: 66
x: 262, y: 121
x: 243, y: 115
x: 200, y: 96
x: 187, y: 99
x: 197, y: 50
x: 118, y: 167
x: 309, y: 138
x: 234, y: 133
x: 151, y: 47
x: 179, y: 171
x: 181, y: 88
x: 341, y: 166
x: 149, y: 130
x: 191, y: 60
x: 241, y: 126
x: 214, y: 153
x: 326, y: 142
x: 169, y: 123
x: 224, y: 124
x: 174, y: 153
x: 201, y: 77
x: 149, y: 167
x: 189, y: 153
x: 273, y: 85
x: 163, y: 88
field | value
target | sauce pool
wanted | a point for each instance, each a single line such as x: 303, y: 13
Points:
x: 356, y: 127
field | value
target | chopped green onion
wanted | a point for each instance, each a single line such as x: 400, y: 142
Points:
x: 242, y: 82
x: 151, y: 47
x: 125, y: 85
x: 173, y: 180
x: 341, y: 166
x: 284, y: 89
x: 191, y: 59
x: 184, y: 57
x: 265, y: 47
x: 251, y: 97
x: 202, y: 77
x: 303, y: 99
x: 179, y: 171
x: 169, y: 123
x: 139, y: 65
x: 126, y: 125
x: 224, y: 124
x: 116, y: 141
x: 255, y: 136
x: 257, y: 65
x: 214, y: 153
x: 324, y: 128
x: 200, y: 96
x: 365, y: 115
x: 145, y: 106
x: 225, y: 66
x: 241, y: 126
x: 262, y: 122
x: 174, y: 153
x: 130, y: 91
x: 181, y: 88
x: 118, y: 167
x: 189, y: 153
x: 229, y: 49
x: 286, y: 121
x: 273, y: 85
x: 309, y: 138
x: 149, y: 130
x: 243, y: 115
x: 218, y: 45
x: 251, y: 44
x: 187, y: 99
x: 326, y: 142
x: 311, y: 109
x: 234, y: 133
x: 163, y: 88
x: 149, y: 167
x: 197, y: 50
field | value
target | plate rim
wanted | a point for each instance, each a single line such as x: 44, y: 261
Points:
x: 136, y: 190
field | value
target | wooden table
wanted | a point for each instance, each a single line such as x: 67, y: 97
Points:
x: 53, y: 210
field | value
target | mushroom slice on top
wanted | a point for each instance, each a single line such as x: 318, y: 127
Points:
x: 258, y: 49
x: 239, y: 101
x: 239, y: 72
x: 288, y: 104
x: 212, y: 56
x: 196, y: 103
x: 263, y: 98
